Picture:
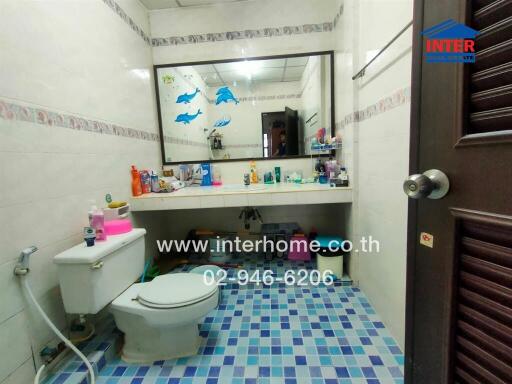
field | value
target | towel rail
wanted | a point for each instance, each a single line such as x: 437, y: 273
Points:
x: 362, y: 71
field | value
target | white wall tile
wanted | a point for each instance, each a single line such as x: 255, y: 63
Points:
x: 15, y: 345
x: 23, y: 374
x: 78, y: 58
x: 232, y: 17
x: 376, y: 150
x: 10, y: 293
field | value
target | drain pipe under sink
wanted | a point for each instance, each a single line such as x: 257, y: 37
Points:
x: 21, y: 270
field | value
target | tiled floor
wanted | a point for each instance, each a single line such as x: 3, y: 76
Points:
x: 277, y: 334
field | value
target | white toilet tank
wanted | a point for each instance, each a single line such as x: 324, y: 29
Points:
x: 91, y: 277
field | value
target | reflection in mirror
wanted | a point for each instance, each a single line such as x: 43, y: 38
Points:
x: 255, y: 108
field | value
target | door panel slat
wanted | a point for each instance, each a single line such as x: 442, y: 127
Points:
x: 484, y: 358
x: 490, y: 81
x: 493, y: 346
x: 486, y: 306
x: 491, y: 271
x: 491, y: 99
x: 482, y: 336
x: 465, y: 377
x: 494, y: 234
x: 492, y: 78
x: 494, y: 56
x: 492, y: 327
x: 487, y: 288
x: 494, y: 34
x: 492, y: 13
x: 487, y: 251
x: 476, y: 370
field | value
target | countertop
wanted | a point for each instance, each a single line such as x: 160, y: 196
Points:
x: 231, y: 195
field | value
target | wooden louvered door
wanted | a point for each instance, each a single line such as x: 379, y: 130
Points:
x: 459, y: 292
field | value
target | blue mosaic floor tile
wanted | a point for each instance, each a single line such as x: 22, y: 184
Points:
x: 275, y: 334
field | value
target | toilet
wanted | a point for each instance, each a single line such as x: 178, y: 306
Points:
x: 159, y: 318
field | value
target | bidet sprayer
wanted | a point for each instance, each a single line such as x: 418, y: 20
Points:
x: 21, y: 267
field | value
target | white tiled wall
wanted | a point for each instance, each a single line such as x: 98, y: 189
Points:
x: 242, y: 16
x: 78, y: 58
x: 379, y: 146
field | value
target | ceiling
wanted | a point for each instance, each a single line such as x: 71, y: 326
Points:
x: 162, y: 4
x: 254, y: 71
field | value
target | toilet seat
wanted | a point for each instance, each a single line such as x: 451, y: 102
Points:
x: 175, y: 290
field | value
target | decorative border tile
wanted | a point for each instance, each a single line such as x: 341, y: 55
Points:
x: 246, y: 99
x: 338, y: 16
x: 398, y: 98
x: 128, y: 20
x: 257, y: 145
x: 177, y: 140
x: 212, y: 37
x: 37, y: 115
x: 243, y: 34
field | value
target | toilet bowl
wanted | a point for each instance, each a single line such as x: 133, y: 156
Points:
x: 160, y: 319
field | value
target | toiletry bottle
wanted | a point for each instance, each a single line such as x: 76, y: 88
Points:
x: 89, y: 236
x: 98, y: 224
x: 344, y: 177
x: 145, y: 180
x: 183, y: 172
x: 254, y: 172
x: 216, y: 176
x: 278, y: 174
x: 331, y: 168
x: 136, y: 184
x: 155, y: 185
x: 207, y: 174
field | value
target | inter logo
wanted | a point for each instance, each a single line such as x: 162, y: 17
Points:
x: 450, y: 42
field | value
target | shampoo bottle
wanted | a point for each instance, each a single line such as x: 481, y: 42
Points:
x: 136, y: 185
x: 207, y: 174
x: 254, y: 172
x: 145, y: 180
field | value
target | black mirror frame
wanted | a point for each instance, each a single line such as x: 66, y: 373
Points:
x: 332, y: 91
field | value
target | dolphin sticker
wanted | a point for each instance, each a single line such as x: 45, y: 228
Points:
x: 186, y: 118
x: 222, y: 122
x: 224, y: 95
x: 222, y: 90
x: 187, y: 98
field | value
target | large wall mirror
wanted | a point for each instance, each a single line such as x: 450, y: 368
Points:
x: 254, y: 108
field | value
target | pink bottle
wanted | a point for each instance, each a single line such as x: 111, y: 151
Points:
x: 98, y: 223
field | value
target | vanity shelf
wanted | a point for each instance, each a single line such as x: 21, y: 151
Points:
x: 325, y: 147
x: 242, y: 196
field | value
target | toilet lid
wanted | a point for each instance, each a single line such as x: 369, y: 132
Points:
x: 175, y: 290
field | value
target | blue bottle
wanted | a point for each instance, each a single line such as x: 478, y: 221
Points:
x: 207, y: 174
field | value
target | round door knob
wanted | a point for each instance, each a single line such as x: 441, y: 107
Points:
x: 432, y: 184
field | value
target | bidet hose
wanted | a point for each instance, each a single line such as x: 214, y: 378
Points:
x: 39, y: 373
x: 68, y: 343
